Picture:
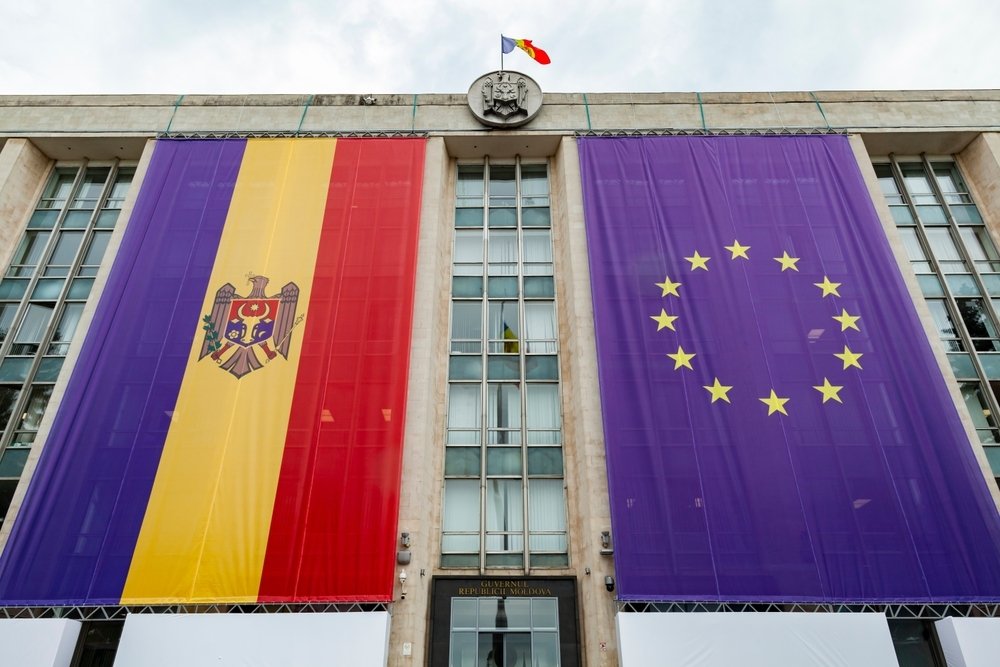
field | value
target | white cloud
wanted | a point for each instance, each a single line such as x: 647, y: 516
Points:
x: 308, y: 46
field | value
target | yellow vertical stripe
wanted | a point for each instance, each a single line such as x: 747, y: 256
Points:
x: 205, y: 531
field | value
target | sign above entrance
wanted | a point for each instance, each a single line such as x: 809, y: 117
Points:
x: 505, y: 99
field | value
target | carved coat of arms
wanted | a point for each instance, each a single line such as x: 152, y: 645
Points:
x: 503, y: 96
x: 242, y: 333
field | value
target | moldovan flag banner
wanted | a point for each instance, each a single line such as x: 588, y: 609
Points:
x: 776, y: 423
x: 232, y: 431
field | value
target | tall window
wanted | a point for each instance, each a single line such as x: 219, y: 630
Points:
x: 504, y: 499
x: 42, y: 296
x: 958, y: 268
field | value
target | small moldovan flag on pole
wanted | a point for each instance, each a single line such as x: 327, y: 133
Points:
x: 507, y: 45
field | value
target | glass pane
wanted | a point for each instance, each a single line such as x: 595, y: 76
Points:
x: 35, y: 409
x: 961, y: 366
x: 534, y: 182
x: 464, y: 613
x: 504, y: 406
x: 502, y: 188
x: 470, y: 180
x: 77, y: 219
x: 464, y: 646
x: 15, y: 369
x: 80, y: 289
x: 901, y: 215
x: 503, y: 461
x: 466, y: 326
x: 502, y: 288
x: 7, y: 313
x: 545, y: 649
x: 48, y: 370
x: 546, y: 505
x: 43, y: 219
x: 459, y: 560
x: 538, y: 250
x: 461, y: 505
x: 962, y: 284
x: 467, y: 286
x: 29, y: 251
x: 916, y: 181
x: 8, y: 397
x: 90, y: 188
x: 503, y: 217
x: 540, y: 326
x: 469, y: 217
x: 469, y: 246
x: 98, y: 245
x: 518, y: 614
x: 930, y: 286
x: 966, y: 214
x: 978, y: 323
x: 504, y: 509
x: 543, y: 406
x: 58, y: 188
x: 513, y: 560
x: 541, y: 368
x: 503, y: 368
x: 992, y: 283
x: 944, y: 249
x: 911, y: 641
x: 107, y: 219
x: 539, y: 286
x: 545, y: 461
x: 65, y: 250
x: 536, y: 217
x: 33, y: 326
x: 462, y: 462
x: 120, y: 188
x: 502, y: 253
x: 68, y: 323
x: 503, y: 327
x: 12, y: 463
x: 465, y: 368
x: 932, y: 215
x: 911, y: 243
x: 464, y: 406
x: 945, y: 324
x: 991, y: 365
x: 48, y: 289
x: 544, y: 613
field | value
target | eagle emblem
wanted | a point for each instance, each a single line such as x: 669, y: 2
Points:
x: 242, y: 333
x: 503, y: 96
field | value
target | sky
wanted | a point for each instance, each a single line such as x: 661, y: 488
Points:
x: 441, y: 46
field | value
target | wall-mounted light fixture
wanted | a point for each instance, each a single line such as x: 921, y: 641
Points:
x: 402, y: 584
x: 609, y: 583
x: 404, y: 539
x: 606, y: 549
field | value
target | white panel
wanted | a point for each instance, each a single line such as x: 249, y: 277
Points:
x: 969, y: 642
x: 38, y: 642
x: 755, y: 640
x: 251, y: 640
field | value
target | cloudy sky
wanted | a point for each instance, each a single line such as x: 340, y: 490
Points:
x: 418, y: 46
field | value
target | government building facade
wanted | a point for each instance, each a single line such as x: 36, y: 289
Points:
x: 500, y: 379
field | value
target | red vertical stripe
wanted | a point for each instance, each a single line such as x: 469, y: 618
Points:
x: 333, y: 531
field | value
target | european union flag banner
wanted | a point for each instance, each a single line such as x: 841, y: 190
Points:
x: 233, y: 427
x: 777, y: 427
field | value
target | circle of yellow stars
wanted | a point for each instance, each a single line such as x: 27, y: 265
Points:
x: 720, y: 392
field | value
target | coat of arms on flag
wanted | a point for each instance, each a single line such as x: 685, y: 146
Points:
x: 243, y: 333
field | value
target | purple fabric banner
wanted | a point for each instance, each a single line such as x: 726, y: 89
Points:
x: 104, y: 447
x: 776, y: 425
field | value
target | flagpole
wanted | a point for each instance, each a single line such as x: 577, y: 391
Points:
x: 501, y: 54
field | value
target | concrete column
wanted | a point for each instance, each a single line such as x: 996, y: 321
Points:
x: 421, y: 493
x: 22, y: 176
x: 586, y: 472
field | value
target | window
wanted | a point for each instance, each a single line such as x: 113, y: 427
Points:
x: 504, y: 496
x: 502, y: 632
x: 42, y: 296
x: 958, y: 269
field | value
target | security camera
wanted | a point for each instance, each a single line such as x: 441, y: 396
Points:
x: 609, y: 583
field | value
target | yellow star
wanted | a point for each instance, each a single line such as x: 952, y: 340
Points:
x: 738, y: 250
x: 698, y: 262
x: 828, y: 287
x: 847, y: 321
x: 774, y: 404
x: 718, y: 391
x: 664, y: 321
x: 850, y: 358
x: 829, y: 391
x: 681, y: 358
x: 669, y: 287
x: 787, y: 262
